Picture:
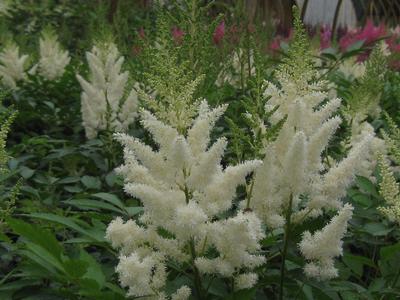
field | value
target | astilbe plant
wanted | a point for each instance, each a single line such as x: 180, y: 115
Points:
x: 187, y: 197
x: 365, y: 95
x: 390, y: 191
x: 53, y: 59
x: 172, y: 96
x: 7, y: 198
x: 12, y: 66
x: 296, y: 181
x: 107, y: 103
x: 392, y: 139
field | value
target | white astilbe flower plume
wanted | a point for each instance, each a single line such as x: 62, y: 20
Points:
x: 297, y: 180
x: 294, y: 166
x: 53, y: 59
x: 295, y: 174
x: 106, y: 102
x: 184, y: 191
x: 12, y: 66
x: 321, y: 247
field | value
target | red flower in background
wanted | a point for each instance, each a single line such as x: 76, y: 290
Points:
x: 219, y: 33
x: 275, y: 44
x: 178, y: 35
x: 141, y: 33
x: 325, y: 37
x: 369, y: 34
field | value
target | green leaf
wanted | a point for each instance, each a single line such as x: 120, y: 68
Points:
x: 376, y: 229
x: 37, y: 235
x: 75, y: 268
x: 92, y: 204
x: 44, y: 255
x: 73, y: 189
x: 18, y: 284
x: 94, y: 270
x: 356, y: 263
x: 366, y: 185
x: 133, y: 211
x: 113, y: 199
x: 99, y: 237
x: 362, y: 199
x: 26, y: 172
x: 91, y: 182
x: 70, y: 179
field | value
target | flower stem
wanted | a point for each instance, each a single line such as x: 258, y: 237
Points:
x: 197, y: 278
x: 192, y: 249
x: 285, y: 246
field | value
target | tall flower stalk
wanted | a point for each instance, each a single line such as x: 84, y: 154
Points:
x: 53, y: 59
x: 107, y: 103
x: 185, y: 194
x: 295, y: 182
x: 12, y: 66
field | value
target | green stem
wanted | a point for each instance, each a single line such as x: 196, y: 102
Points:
x: 192, y: 249
x: 197, y: 278
x: 249, y: 194
x: 285, y: 246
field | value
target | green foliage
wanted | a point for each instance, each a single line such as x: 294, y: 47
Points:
x: 392, y: 138
x: 298, y: 64
x: 366, y: 94
x: 174, y: 101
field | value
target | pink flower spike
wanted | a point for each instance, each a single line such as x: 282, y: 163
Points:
x: 371, y: 33
x: 219, y: 33
x: 178, y: 35
x: 141, y: 33
x: 275, y: 44
x: 325, y: 37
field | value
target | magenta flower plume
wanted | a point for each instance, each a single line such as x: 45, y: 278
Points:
x: 177, y: 35
x: 325, y: 37
x: 219, y: 33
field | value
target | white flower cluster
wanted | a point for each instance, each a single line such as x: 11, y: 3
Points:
x: 51, y: 65
x: 295, y: 177
x: 184, y: 191
x: 53, y: 59
x: 12, y: 68
x: 324, y: 245
x: 351, y: 69
x: 106, y: 103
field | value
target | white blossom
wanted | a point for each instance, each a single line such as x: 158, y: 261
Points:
x: 246, y: 281
x: 106, y: 102
x: 184, y: 191
x: 53, y: 59
x: 12, y: 66
x: 321, y: 247
x: 352, y: 69
x: 295, y: 166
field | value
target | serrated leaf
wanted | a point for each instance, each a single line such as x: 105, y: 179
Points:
x: 37, y: 235
x: 113, y: 199
x: 91, y: 182
x: 86, y: 204
x: 69, y: 223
